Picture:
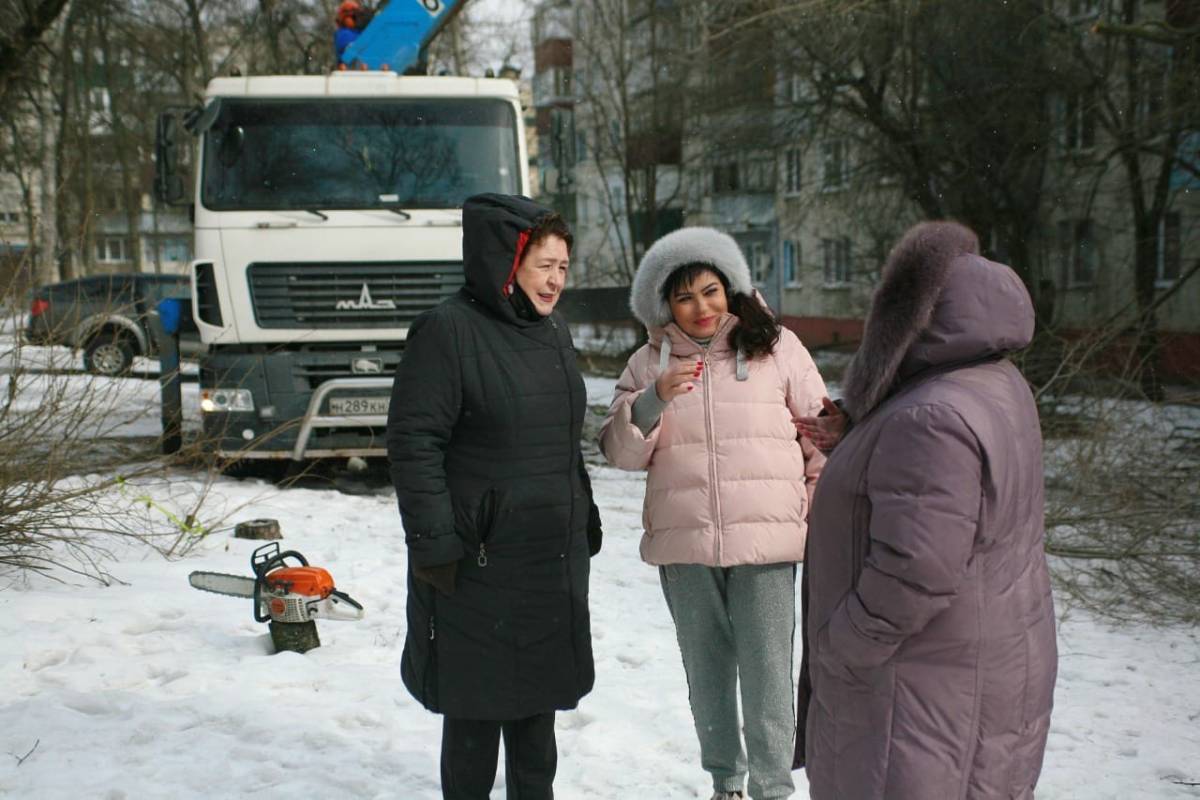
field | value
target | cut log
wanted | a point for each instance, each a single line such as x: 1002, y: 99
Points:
x: 258, y: 529
x: 299, y: 637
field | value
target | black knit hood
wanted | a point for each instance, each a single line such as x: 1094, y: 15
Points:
x: 494, y: 232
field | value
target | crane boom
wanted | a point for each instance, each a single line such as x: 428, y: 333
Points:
x: 399, y: 34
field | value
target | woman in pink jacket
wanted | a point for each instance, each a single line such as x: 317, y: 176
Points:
x: 707, y: 406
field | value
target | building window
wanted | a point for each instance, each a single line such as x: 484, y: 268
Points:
x: 791, y: 257
x: 792, y: 171
x: 111, y: 200
x: 1169, y: 253
x: 759, y: 174
x: 745, y: 174
x: 796, y: 93
x: 836, y: 255
x: 725, y: 177
x: 760, y: 262
x: 835, y: 165
x: 1077, y: 250
x: 1152, y: 97
x: 556, y: 83
x: 110, y: 249
x: 175, y: 250
x: 1079, y: 121
x: 1082, y: 8
x: 11, y: 217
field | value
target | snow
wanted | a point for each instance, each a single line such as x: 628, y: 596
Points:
x: 148, y: 688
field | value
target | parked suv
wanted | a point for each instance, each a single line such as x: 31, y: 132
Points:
x: 105, y: 317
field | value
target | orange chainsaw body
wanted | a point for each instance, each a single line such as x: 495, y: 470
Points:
x: 306, y: 581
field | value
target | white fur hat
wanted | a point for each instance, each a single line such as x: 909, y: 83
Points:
x: 684, y: 246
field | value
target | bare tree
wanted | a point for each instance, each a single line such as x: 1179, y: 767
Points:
x: 23, y: 24
x: 630, y: 82
x: 948, y: 101
x: 1138, y: 85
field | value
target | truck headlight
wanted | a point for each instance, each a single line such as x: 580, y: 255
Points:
x: 213, y: 400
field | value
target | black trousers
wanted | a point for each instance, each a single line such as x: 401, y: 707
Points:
x: 470, y: 749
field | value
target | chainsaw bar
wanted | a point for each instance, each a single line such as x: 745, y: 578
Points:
x: 221, y: 583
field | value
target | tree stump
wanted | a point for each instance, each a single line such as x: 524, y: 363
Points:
x: 258, y: 529
x: 299, y: 637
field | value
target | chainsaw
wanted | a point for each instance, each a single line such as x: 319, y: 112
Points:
x: 282, y: 593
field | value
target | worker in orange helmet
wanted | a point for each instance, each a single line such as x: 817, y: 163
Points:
x: 349, y: 26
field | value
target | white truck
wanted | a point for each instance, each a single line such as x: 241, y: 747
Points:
x: 327, y: 215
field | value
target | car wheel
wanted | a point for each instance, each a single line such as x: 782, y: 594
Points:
x: 108, y: 354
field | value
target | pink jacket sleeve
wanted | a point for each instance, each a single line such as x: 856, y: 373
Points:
x: 804, y: 392
x: 622, y: 442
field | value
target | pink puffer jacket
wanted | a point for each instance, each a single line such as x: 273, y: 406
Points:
x: 729, y: 482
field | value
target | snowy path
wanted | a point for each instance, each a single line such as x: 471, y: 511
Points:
x: 152, y: 689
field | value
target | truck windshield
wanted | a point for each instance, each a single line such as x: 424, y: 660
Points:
x: 377, y: 153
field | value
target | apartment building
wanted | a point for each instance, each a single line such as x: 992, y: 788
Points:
x: 650, y: 117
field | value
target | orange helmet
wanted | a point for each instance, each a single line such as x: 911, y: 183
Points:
x: 346, y: 13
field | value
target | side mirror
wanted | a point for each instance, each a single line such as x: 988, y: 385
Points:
x: 171, y: 148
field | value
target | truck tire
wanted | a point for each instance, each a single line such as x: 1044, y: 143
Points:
x: 109, y: 353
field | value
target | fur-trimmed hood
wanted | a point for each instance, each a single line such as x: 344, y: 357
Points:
x: 939, y: 303
x: 696, y: 245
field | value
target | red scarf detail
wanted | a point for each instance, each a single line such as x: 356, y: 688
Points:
x: 522, y: 240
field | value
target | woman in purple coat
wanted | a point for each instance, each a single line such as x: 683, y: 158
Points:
x: 930, y: 625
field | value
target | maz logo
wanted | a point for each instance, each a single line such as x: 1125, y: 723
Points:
x: 365, y: 303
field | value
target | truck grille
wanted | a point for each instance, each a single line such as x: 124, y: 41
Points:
x: 339, y: 295
x: 312, y: 366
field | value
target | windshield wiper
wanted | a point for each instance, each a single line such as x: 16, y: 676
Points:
x: 399, y: 211
x: 324, y: 217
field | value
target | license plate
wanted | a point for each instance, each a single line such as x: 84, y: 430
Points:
x: 358, y: 406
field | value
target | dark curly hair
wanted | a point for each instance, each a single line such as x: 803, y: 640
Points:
x: 550, y: 224
x: 757, y: 330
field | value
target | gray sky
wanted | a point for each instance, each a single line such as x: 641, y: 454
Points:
x: 503, y: 24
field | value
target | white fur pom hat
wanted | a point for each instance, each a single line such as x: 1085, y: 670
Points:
x: 685, y: 246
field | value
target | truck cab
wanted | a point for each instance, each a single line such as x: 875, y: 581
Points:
x: 327, y: 217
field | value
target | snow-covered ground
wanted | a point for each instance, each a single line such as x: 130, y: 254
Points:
x: 148, y: 688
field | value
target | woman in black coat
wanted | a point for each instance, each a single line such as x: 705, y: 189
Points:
x: 483, y: 439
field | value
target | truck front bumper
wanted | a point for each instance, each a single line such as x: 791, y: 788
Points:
x: 292, y: 416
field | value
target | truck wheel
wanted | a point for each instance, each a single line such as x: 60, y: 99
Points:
x: 108, y: 354
x: 260, y: 469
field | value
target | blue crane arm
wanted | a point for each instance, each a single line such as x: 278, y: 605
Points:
x: 398, y: 35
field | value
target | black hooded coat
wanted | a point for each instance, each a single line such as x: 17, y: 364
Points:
x: 483, y: 439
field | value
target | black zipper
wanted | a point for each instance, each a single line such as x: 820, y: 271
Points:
x: 485, y: 520
x: 566, y: 555
x: 429, y: 679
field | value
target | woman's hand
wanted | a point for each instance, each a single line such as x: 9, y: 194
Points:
x: 824, y: 431
x: 678, y: 380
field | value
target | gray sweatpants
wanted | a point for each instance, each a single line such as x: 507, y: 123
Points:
x: 738, y: 622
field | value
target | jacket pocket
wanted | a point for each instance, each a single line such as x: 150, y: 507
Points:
x: 485, y: 521
x: 430, y: 678
x: 860, y: 532
x: 485, y: 515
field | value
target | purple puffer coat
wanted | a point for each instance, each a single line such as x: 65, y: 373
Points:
x: 930, y: 620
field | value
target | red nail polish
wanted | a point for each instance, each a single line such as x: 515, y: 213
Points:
x: 690, y: 387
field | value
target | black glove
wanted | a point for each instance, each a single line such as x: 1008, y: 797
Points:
x: 439, y: 576
x: 594, y: 531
